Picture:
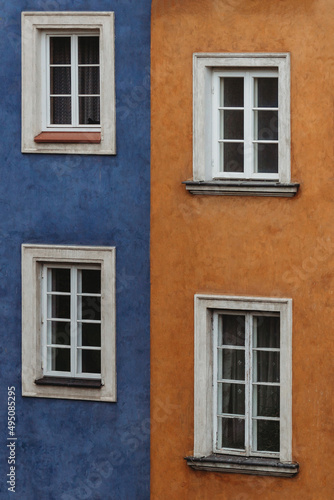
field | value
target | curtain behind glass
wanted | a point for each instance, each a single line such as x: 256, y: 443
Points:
x: 60, y: 80
x: 89, y: 79
x: 266, y: 370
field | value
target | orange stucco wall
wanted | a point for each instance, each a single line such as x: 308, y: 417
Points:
x: 271, y: 247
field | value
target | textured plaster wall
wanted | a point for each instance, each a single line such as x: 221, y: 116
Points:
x: 241, y: 245
x: 70, y: 450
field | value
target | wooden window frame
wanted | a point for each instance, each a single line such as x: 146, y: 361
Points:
x: 248, y: 382
x: 249, y: 141
x: 37, y: 137
x: 47, y: 126
x: 73, y: 320
x: 35, y: 381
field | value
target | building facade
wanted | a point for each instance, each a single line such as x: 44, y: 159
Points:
x: 242, y: 249
x: 75, y: 217
x: 211, y: 183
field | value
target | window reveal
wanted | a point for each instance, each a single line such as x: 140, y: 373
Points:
x: 241, y: 125
x: 68, y: 100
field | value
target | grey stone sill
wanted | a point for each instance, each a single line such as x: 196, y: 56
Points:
x: 70, y: 382
x: 242, y: 188
x: 243, y: 465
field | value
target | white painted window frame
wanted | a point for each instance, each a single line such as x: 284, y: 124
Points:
x: 45, y: 57
x: 73, y: 320
x: 34, y: 257
x: 34, y: 27
x: 204, y: 66
x: 248, y: 382
x: 204, y: 395
x: 249, y: 141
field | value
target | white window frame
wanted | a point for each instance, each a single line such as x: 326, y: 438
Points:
x: 34, y: 260
x: 46, y: 111
x: 75, y: 371
x: 248, y: 381
x: 35, y: 26
x: 249, y: 168
x: 204, y: 395
x: 205, y: 179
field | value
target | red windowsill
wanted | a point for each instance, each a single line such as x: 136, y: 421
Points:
x: 69, y: 137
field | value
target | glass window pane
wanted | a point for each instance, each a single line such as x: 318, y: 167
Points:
x: 232, y: 157
x: 233, y: 330
x: 89, y: 307
x: 89, y: 80
x: 59, y: 306
x: 233, y: 400
x: 231, y: 364
x: 91, y: 361
x: 266, y: 401
x: 59, y: 359
x: 91, y: 334
x: 61, y: 280
x: 60, y: 111
x: 60, y: 50
x: 266, y: 366
x: 267, y: 92
x: 232, y: 124
x: 231, y: 432
x: 268, y: 435
x: 266, y: 125
x: 90, y: 281
x: 267, y: 158
x: 59, y: 332
x: 267, y: 331
x: 89, y: 110
x: 232, y: 92
x: 60, y: 80
x: 88, y: 50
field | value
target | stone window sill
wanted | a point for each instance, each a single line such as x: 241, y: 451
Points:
x: 70, y: 382
x: 69, y: 137
x: 242, y: 188
x: 243, y: 465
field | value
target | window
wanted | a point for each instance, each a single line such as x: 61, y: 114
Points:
x: 243, y: 385
x: 242, y: 125
x: 247, y: 383
x: 245, y: 124
x: 68, y: 322
x: 71, y: 321
x: 72, y: 83
x: 68, y: 103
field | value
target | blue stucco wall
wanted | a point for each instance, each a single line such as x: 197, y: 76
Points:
x: 71, y: 449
